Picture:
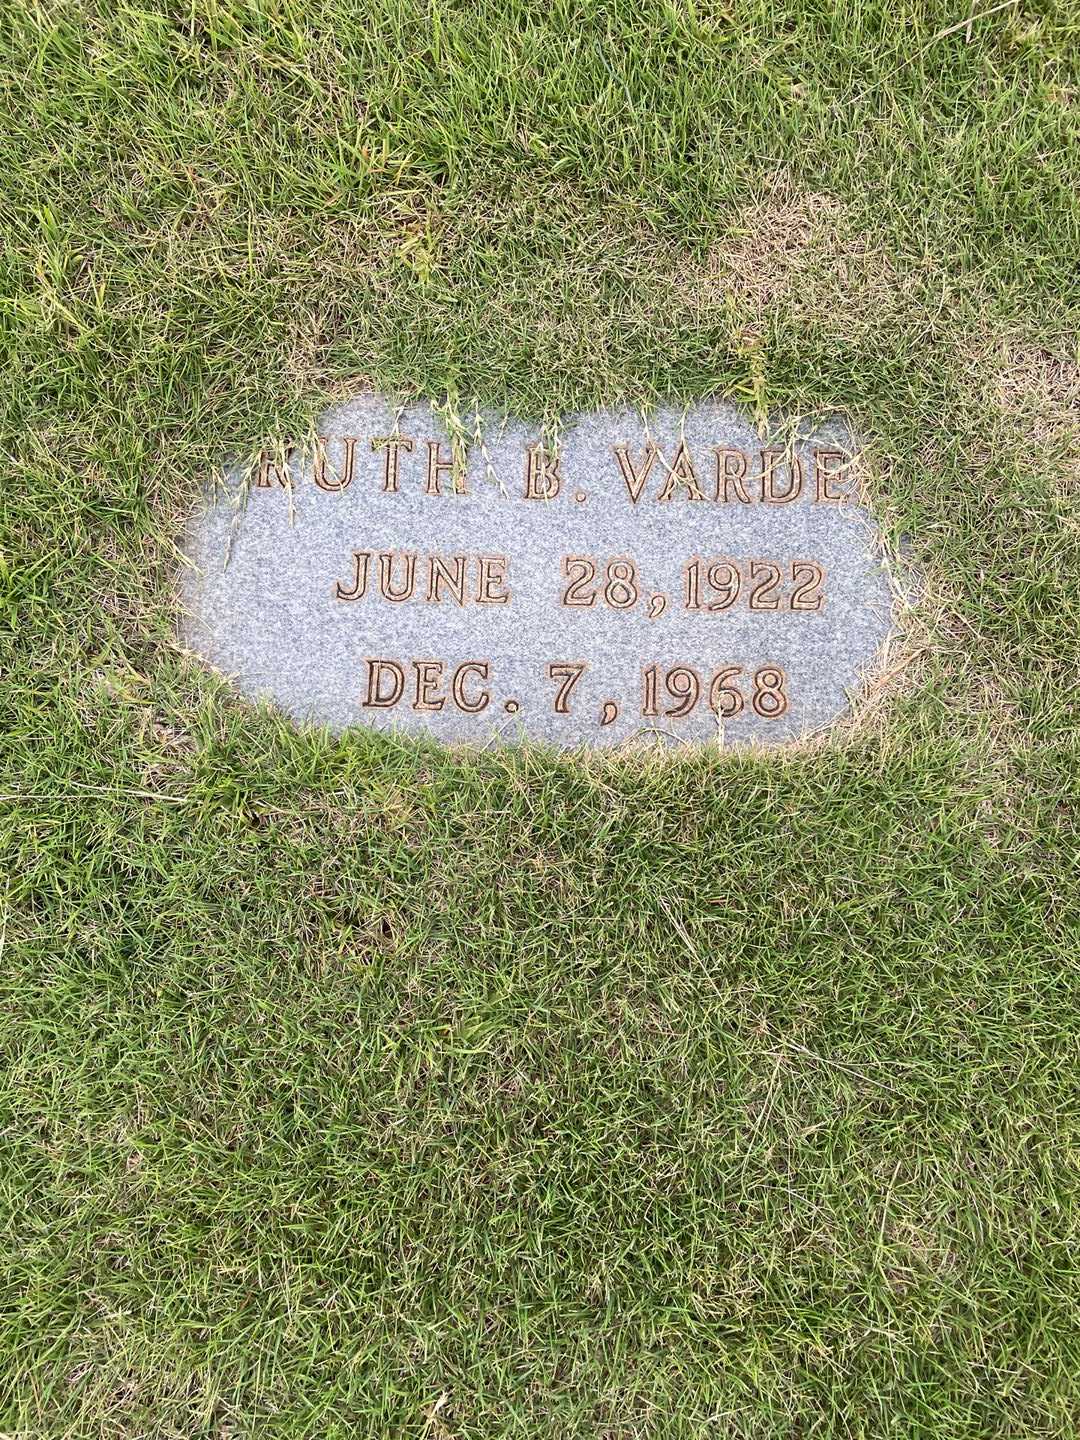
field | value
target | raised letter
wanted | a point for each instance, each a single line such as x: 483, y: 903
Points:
x: 322, y: 480
x: 439, y: 574
x: 770, y: 460
x: 429, y: 675
x: 482, y: 668
x: 437, y: 467
x: 763, y: 595
x: 376, y: 700
x: 635, y: 480
x: 386, y: 575
x: 393, y: 444
x: 829, y: 465
x: 731, y: 471
x: 569, y: 675
x: 543, y: 478
x: 359, y: 587
x: 801, y: 596
x: 490, y: 573
x: 681, y: 472
x: 269, y: 470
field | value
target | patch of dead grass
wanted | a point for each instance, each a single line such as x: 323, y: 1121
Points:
x: 792, y: 250
x: 1036, y: 390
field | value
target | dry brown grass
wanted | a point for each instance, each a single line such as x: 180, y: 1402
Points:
x: 1036, y: 390
x: 792, y: 250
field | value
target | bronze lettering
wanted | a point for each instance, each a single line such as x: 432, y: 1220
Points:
x: 376, y: 698
x: 386, y: 576
x: 491, y: 573
x: 439, y: 574
x: 361, y: 559
x: 763, y: 595
x: 569, y: 674
x: 270, y: 470
x: 543, y: 475
x: 480, y: 668
x: 731, y: 467
x: 801, y: 599
x: 829, y: 465
x: 429, y: 674
x: 769, y: 699
x: 621, y: 590
x: 770, y: 460
x: 725, y: 579
x: 580, y: 571
x: 681, y: 472
x: 324, y: 481
x: 725, y: 697
x: 393, y: 445
x: 636, y: 480
x: 438, y: 466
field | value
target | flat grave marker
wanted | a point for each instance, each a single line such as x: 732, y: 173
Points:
x: 675, y: 576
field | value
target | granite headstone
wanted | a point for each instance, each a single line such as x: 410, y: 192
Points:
x: 675, y: 575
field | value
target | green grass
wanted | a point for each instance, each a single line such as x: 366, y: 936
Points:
x: 361, y: 1088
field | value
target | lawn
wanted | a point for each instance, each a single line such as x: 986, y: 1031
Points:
x: 360, y: 1087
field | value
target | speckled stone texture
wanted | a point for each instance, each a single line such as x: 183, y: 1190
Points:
x: 266, y: 597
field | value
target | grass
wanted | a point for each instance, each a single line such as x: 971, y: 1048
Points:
x: 361, y: 1087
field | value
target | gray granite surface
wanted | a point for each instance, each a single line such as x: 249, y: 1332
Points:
x: 278, y: 600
